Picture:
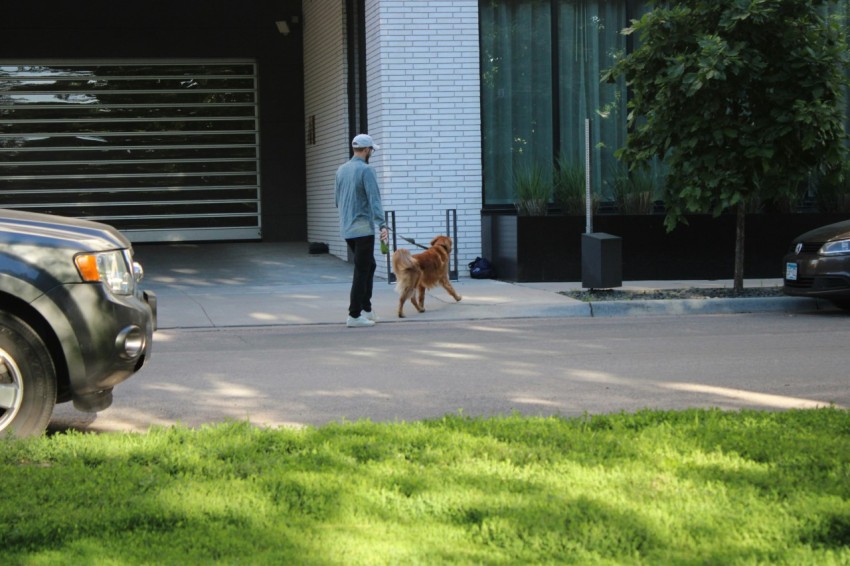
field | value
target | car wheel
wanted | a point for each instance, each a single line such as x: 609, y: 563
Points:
x: 27, y: 379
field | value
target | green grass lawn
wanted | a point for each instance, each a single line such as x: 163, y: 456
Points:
x: 684, y: 487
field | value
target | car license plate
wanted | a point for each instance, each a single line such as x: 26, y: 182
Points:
x: 791, y: 271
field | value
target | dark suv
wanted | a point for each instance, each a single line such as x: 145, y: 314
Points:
x: 73, y: 321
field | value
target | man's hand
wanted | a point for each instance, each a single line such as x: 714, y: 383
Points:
x: 385, y: 235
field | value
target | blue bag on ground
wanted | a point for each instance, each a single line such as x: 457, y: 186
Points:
x: 481, y: 268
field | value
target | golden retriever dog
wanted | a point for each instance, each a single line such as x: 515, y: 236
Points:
x: 417, y: 273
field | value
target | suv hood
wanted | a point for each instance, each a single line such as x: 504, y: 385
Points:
x: 59, y: 231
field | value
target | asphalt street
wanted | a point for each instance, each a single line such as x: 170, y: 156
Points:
x: 297, y: 375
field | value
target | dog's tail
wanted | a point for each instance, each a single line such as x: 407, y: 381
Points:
x: 403, y: 263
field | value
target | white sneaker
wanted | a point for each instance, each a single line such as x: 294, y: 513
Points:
x: 359, y: 321
x: 371, y: 316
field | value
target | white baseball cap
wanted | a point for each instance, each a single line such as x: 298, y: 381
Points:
x: 363, y: 140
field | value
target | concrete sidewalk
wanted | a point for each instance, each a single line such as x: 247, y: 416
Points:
x: 262, y: 284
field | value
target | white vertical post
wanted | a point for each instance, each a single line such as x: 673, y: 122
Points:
x: 588, y: 212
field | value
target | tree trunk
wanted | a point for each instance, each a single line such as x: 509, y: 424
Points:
x: 738, y: 285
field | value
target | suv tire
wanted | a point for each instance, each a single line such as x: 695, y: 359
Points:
x: 27, y: 379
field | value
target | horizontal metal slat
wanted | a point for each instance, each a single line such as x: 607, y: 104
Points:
x: 140, y: 161
x: 101, y: 140
x: 120, y: 148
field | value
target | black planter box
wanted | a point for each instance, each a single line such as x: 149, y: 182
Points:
x: 548, y: 248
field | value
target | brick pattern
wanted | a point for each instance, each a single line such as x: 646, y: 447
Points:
x: 423, y: 102
x: 325, y: 97
x: 424, y: 108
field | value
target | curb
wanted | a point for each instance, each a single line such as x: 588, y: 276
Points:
x: 707, y: 306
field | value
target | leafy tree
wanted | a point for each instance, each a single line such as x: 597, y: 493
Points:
x: 741, y: 98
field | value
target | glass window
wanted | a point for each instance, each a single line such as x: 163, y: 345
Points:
x: 541, y: 65
x: 589, y: 41
x: 516, y: 84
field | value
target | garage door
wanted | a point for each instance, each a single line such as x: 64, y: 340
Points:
x: 164, y: 151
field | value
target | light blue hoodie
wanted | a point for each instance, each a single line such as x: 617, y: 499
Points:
x: 358, y: 199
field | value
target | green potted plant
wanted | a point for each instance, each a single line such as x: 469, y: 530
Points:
x: 533, y: 186
x: 570, y: 188
x: 633, y: 192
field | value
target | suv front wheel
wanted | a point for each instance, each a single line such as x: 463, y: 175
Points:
x: 27, y: 379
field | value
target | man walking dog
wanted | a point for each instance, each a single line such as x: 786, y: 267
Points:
x: 358, y: 199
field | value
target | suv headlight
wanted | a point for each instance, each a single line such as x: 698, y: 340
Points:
x: 838, y: 247
x: 110, y: 268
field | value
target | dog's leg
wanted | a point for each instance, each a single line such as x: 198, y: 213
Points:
x: 447, y: 285
x: 408, y: 293
x: 421, y: 304
x: 402, y: 298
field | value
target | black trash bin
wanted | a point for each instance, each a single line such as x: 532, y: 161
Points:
x: 601, y: 261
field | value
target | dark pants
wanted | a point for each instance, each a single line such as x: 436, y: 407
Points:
x: 363, y: 250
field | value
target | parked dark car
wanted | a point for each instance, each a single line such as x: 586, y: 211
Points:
x: 73, y: 321
x: 818, y: 264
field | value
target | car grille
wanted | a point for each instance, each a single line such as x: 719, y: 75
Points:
x: 809, y: 247
x: 832, y: 283
x: 822, y: 284
x: 802, y: 283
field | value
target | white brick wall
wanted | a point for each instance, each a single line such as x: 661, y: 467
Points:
x: 325, y: 97
x: 423, y: 109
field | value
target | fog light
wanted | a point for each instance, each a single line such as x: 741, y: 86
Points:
x: 130, y: 342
